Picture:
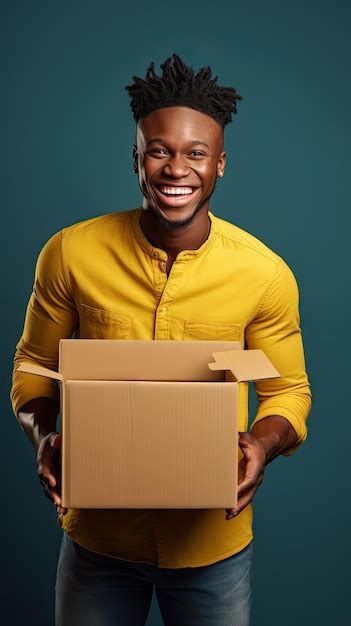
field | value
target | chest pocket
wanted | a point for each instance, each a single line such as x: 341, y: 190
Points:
x: 100, y: 324
x: 194, y: 330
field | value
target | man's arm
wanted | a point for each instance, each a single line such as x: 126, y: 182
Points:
x: 279, y: 426
x: 276, y: 434
x: 51, y: 315
x: 38, y: 419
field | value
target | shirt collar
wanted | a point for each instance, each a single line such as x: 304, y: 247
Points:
x: 158, y: 253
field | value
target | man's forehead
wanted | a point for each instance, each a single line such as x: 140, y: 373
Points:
x: 179, y: 124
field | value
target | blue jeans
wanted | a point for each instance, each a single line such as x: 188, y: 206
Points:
x: 97, y: 590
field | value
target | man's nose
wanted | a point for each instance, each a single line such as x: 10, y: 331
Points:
x: 176, y: 167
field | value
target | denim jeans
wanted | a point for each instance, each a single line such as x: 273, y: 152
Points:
x: 97, y: 590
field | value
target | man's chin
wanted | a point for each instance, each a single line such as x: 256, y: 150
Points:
x: 171, y: 224
x: 175, y: 224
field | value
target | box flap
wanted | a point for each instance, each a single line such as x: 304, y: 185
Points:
x: 32, y: 368
x: 245, y: 365
x: 125, y: 359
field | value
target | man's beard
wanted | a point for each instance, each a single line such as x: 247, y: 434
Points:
x: 171, y: 225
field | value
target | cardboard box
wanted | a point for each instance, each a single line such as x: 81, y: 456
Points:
x: 151, y: 424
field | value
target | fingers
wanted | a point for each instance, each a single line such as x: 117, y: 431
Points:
x: 246, y: 499
x: 230, y: 513
x: 250, y: 472
x: 243, y: 501
x: 49, y: 471
x: 61, y: 509
x: 254, y: 461
x: 45, y: 477
x: 53, y: 495
x: 49, y: 490
x: 57, y: 441
x: 253, y: 473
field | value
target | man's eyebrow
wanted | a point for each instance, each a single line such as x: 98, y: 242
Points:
x: 199, y: 143
x: 156, y: 140
x: 191, y: 143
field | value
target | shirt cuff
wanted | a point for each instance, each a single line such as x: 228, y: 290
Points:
x: 28, y: 391
x: 297, y: 422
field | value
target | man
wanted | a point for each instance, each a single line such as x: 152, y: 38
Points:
x: 168, y: 270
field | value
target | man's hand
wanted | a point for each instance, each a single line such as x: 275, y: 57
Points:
x: 250, y: 471
x: 48, y: 467
x: 38, y: 419
x: 270, y: 437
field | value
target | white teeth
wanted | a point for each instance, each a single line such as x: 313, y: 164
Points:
x: 176, y: 191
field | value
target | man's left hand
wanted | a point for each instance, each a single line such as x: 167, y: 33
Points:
x: 250, y: 471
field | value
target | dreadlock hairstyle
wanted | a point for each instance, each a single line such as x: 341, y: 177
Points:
x: 181, y: 86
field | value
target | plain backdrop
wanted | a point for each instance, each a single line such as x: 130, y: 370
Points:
x: 68, y: 133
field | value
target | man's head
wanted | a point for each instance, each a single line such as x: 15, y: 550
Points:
x: 179, y: 148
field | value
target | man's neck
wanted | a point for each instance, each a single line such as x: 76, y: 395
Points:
x: 173, y: 241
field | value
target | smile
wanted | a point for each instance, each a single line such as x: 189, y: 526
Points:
x: 176, y: 196
x: 175, y: 191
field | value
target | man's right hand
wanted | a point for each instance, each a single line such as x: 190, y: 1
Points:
x: 49, y: 470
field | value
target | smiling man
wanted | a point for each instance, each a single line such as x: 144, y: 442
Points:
x: 169, y: 269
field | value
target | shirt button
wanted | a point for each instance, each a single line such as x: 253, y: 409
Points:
x: 156, y: 255
x: 163, y: 265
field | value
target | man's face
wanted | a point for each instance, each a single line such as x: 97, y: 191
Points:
x: 178, y: 156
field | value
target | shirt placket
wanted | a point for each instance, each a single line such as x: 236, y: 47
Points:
x: 166, y: 291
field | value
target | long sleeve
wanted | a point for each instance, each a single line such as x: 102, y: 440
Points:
x: 276, y: 330
x: 51, y: 315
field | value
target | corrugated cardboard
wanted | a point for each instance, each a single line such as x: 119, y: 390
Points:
x: 151, y: 424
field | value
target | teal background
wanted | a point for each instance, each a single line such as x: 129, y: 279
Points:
x: 67, y: 157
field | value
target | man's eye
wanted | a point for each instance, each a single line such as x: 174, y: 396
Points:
x: 196, y: 153
x: 158, y: 151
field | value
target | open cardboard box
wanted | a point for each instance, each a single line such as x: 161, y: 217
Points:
x: 151, y: 424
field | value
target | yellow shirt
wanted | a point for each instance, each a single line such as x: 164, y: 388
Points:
x: 101, y: 278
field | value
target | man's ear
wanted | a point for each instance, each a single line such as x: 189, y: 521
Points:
x: 135, y: 159
x: 221, y: 162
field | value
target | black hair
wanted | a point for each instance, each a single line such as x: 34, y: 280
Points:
x: 181, y: 86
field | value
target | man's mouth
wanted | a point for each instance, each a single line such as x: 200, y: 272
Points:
x: 175, y: 191
x: 174, y: 196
